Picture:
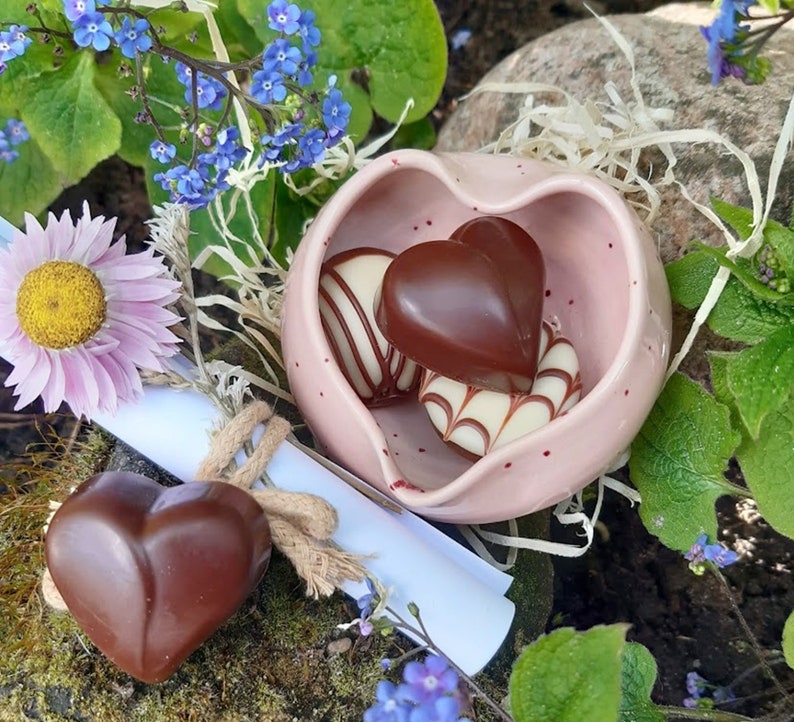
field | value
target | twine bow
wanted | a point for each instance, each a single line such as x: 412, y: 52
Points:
x: 301, y: 524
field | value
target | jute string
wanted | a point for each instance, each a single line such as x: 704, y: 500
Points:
x: 301, y: 525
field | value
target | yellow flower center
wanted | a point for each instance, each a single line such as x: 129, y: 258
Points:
x: 61, y: 304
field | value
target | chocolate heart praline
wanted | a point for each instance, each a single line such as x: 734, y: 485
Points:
x: 150, y: 572
x: 469, y: 308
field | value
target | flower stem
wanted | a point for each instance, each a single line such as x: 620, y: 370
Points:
x: 711, y: 715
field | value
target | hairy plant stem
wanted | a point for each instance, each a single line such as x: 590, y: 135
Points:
x: 711, y: 715
x: 759, y: 651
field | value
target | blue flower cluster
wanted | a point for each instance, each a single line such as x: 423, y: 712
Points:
x: 12, y: 135
x: 197, y: 186
x: 13, y: 43
x: 91, y: 29
x: 723, y: 31
x: 300, y: 140
x: 302, y: 123
x: 696, y: 686
x: 430, y: 692
x: 703, y: 552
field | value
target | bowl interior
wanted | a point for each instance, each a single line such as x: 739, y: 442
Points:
x: 587, y: 291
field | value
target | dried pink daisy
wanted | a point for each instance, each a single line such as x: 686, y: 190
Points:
x: 79, y: 317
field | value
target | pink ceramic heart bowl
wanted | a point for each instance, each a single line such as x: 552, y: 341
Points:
x: 604, y: 284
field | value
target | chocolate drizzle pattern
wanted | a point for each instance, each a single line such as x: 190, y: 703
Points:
x: 479, y: 420
x: 374, y: 368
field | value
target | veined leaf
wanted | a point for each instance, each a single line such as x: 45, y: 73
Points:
x: 70, y: 119
x: 677, y: 463
x: 569, y: 676
x: 638, y: 676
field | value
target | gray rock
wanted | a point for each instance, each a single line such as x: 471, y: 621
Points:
x: 672, y: 73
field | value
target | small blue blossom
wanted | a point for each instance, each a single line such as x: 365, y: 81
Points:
x: 268, y: 87
x: 283, y: 17
x: 12, y: 43
x: 93, y: 30
x: 460, y: 38
x: 698, y: 687
x: 312, y: 147
x: 308, y: 32
x: 3, y: 67
x: 16, y: 131
x: 428, y: 680
x: 305, y: 77
x: 702, y: 552
x: 723, y: 30
x: 76, y: 8
x: 336, y: 113
x: 388, y: 707
x: 162, y: 152
x: 227, y: 150
x: 282, y: 57
x: 209, y: 93
x: 7, y: 153
x: 442, y: 709
x: 719, y: 555
x: 275, y: 147
x: 133, y: 38
x: 184, y: 73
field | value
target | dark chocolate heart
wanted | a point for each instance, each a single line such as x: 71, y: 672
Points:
x: 469, y: 308
x: 150, y: 572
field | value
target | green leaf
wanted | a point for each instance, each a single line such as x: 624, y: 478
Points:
x: 135, y: 137
x: 419, y: 134
x: 638, y: 676
x: 788, y: 640
x: 70, y: 119
x: 677, y: 463
x: 569, y: 676
x: 761, y: 377
x: 689, y: 278
x: 738, y: 218
x: 30, y: 184
x: 739, y: 314
x: 768, y: 467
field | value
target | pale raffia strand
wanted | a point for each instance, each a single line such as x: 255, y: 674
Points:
x: 301, y: 524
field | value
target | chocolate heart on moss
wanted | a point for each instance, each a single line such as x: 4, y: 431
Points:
x: 469, y: 308
x: 150, y: 572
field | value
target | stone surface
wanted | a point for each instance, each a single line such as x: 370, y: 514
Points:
x: 672, y: 73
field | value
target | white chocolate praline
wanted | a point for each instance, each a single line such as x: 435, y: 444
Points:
x: 349, y: 283
x: 478, y: 420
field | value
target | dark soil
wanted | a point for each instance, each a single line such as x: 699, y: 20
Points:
x: 688, y: 622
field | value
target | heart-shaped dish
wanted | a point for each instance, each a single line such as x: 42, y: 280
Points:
x: 605, y: 285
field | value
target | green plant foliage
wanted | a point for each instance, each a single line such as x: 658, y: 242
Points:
x: 569, y: 676
x: 638, y: 676
x: 740, y: 314
x: 761, y: 377
x: 677, y: 463
x: 788, y: 640
x: 768, y: 467
x: 382, y: 53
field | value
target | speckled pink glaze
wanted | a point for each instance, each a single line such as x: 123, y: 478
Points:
x: 605, y: 284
